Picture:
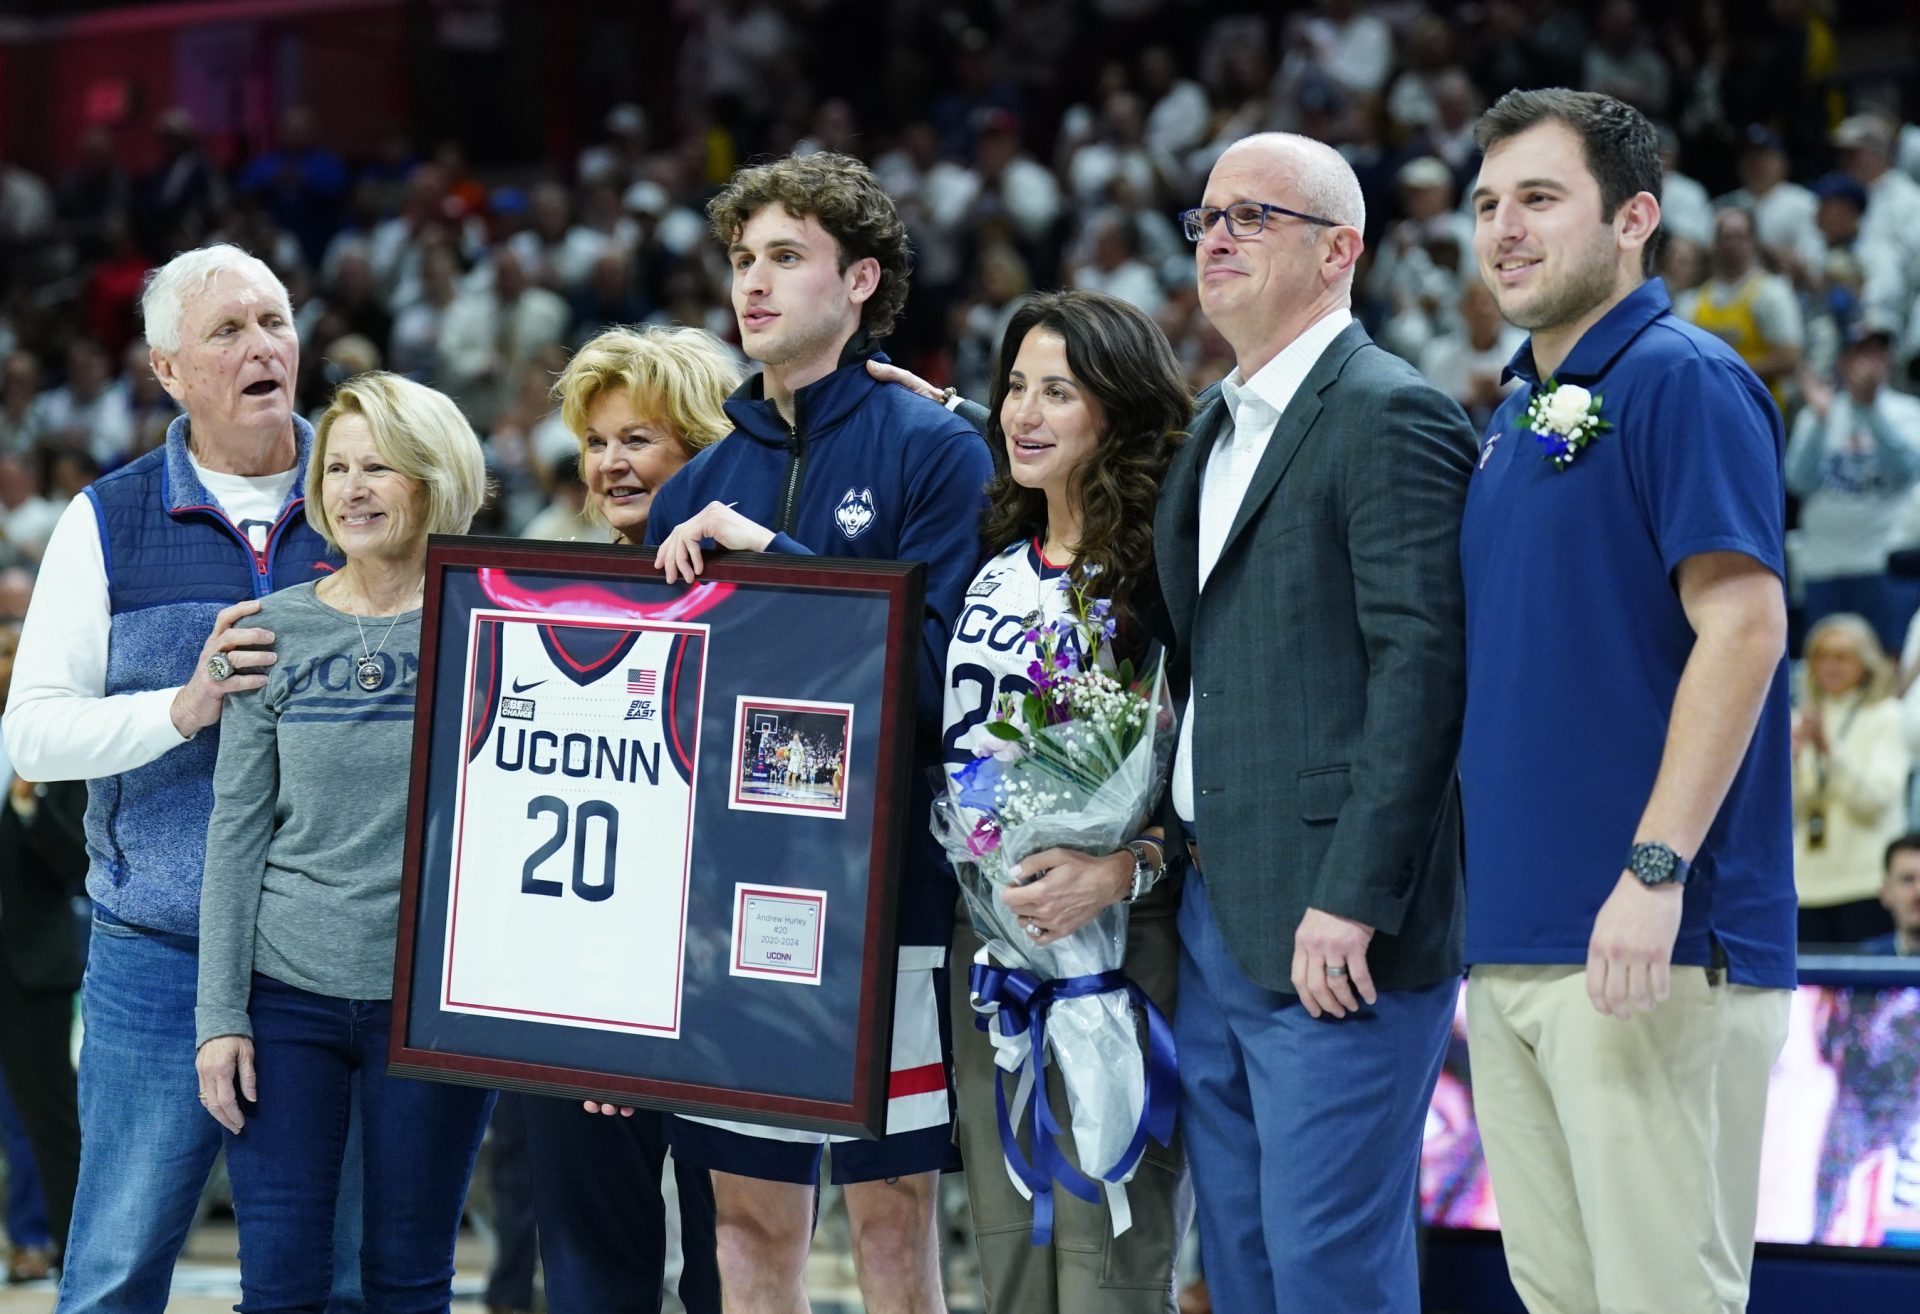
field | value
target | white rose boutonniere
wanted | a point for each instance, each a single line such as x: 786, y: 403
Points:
x: 1564, y: 417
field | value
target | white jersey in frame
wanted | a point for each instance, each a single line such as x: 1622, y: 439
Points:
x: 574, y: 820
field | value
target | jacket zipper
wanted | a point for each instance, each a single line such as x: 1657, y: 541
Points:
x: 264, y: 580
x: 262, y: 559
x: 796, y: 464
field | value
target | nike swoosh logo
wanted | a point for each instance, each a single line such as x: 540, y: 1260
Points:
x: 522, y: 688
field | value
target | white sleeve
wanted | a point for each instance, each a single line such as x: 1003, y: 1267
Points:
x: 60, y: 724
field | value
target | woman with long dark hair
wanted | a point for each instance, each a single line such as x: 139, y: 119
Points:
x: 1088, y: 405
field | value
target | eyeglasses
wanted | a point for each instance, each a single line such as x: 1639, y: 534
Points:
x: 1244, y: 219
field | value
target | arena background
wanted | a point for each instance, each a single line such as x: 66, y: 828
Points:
x: 466, y: 189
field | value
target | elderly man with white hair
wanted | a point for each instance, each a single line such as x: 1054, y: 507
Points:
x: 136, y: 633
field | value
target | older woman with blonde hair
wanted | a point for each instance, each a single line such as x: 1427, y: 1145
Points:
x: 301, y: 893
x: 641, y: 402
x: 1850, y: 766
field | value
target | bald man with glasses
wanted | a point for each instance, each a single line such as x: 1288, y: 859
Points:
x: 1308, y: 548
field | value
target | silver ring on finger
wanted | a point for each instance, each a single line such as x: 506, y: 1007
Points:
x: 219, y: 667
x: 1336, y: 971
x: 1035, y: 930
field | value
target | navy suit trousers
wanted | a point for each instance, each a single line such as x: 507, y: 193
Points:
x: 1303, y: 1134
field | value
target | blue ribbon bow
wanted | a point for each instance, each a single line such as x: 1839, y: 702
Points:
x: 1024, y: 1001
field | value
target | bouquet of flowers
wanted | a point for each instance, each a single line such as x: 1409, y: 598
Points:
x: 1076, y: 763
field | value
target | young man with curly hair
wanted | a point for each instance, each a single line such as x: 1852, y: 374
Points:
x: 826, y: 461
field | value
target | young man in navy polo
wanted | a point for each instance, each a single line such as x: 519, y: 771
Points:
x: 1624, y: 763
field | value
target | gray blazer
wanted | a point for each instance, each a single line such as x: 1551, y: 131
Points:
x: 1326, y: 659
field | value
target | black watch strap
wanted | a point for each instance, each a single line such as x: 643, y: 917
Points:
x: 1654, y: 863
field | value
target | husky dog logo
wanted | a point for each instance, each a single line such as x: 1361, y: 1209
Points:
x: 855, y: 512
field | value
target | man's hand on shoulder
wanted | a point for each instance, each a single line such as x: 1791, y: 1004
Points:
x: 197, y: 705
x: 1630, y: 955
x: 679, y: 556
x: 1330, y: 964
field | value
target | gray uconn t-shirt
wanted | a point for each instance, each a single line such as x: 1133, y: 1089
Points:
x: 309, y: 817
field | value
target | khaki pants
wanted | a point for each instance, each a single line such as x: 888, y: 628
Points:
x: 1086, y: 1268
x: 1625, y: 1155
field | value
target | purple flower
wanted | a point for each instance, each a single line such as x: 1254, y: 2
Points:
x: 985, y: 838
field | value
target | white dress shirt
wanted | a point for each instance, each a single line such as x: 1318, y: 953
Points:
x: 1256, y: 405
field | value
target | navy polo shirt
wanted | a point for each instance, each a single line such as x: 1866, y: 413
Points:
x: 1576, y: 639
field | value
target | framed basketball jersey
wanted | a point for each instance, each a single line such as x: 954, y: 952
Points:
x: 655, y: 831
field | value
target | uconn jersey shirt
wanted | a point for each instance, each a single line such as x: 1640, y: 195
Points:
x: 989, y: 653
x: 573, y: 820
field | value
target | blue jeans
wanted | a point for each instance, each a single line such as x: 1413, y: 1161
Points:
x: 420, y: 1138
x: 1303, y: 1134
x: 146, y: 1144
x: 26, y: 1210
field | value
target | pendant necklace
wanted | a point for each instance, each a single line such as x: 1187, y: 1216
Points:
x: 1033, y: 617
x: 366, y: 667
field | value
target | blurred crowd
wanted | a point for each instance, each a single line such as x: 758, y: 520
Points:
x: 1034, y: 144
x: 1030, y: 146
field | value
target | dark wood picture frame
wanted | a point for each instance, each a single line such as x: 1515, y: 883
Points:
x: 880, y: 845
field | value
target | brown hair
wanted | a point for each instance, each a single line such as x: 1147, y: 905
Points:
x: 1621, y: 146
x: 1907, y: 843
x: 1124, y: 362
x: 847, y: 200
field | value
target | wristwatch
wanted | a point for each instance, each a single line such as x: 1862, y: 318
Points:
x: 1145, y: 872
x: 1654, y: 863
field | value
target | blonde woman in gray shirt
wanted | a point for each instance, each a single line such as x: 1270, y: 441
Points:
x: 300, y: 900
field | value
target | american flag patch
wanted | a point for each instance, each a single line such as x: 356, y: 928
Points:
x: 643, y: 682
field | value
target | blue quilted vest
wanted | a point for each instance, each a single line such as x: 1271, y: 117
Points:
x: 174, y: 560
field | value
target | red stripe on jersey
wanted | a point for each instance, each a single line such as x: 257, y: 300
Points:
x: 924, y: 1080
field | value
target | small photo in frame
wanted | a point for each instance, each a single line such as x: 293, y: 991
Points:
x: 790, y: 756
